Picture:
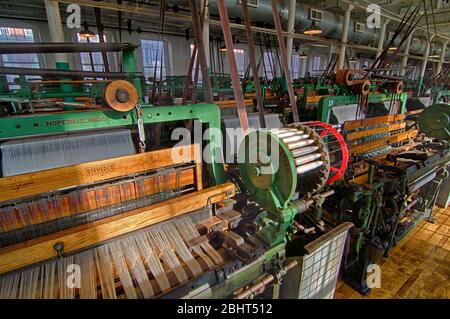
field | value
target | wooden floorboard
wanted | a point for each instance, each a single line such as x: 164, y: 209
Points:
x: 418, y: 267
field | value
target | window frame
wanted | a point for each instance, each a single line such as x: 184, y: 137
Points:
x: 166, y: 61
x: 36, y: 38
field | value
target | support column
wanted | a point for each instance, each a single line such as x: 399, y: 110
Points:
x: 405, y: 54
x: 57, y: 35
x: 56, y: 32
x: 290, y: 30
x: 424, y: 66
x: 441, y: 59
x: 381, y: 38
x: 344, y: 36
x: 205, y: 33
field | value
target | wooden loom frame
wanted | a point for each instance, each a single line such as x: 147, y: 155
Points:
x: 84, y: 236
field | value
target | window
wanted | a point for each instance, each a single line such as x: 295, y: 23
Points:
x: 295, y: 66
x: 89, y: 59
x: 269, y: 63
x: 303, y: 67
x: 240, y: 61
x: 153, y: 57
x: 317, y: 63
x: 251, y: 3
x: 18, y: 60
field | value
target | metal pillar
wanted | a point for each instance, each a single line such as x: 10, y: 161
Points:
x: 56, y: 32
x: 205, y: 32
x: 57, y: 35
x: 406, y: 54
x: 424, y: 65
x: 238, y: 95
x: 381, y: 38
x: 254, y: 66
x: 344, y: 36
x: 284, y: 62
x: 441, y: 59
x: 290, y: 31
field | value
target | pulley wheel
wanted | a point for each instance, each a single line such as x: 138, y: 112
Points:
x: 434, y: 121
x: 345, y: 77
x: 121, y: 95
x: 395, y: 87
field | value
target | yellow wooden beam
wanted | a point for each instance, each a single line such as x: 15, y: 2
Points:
x: 84, y: 236
x: 374, y: 131
x: 367, y: 147
x: 25, y: 185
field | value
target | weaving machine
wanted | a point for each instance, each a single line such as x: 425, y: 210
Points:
x: 141, y: 225
x: 83, y: 193
x: 88, y: 213
x: 76, y: 193
x: 392, y: 183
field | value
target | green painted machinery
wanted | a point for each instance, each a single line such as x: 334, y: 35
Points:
x: 281, y: 169
x: 327, y: 103
x: 62, y: 83
x: 434, y: 121
x: 77, y: 121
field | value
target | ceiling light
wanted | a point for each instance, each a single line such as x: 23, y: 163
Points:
x: 303, y: 55
x: 86, y: 33
x: 312, y: 29
x: 393, y: 49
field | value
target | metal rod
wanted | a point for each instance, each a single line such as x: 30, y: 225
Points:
x: 62, y: 73
x: 299, y: 144
x: 295, y: 138
x: 201, y: 51
x: 260, y: 285
x: 309, y: 167
x: 287, y: 134
x: 46, y: 47
x: 101, y: 37
x: 304, y: 151
x: 306, y: 159
x: 255, y: 69
x: 284, y: 62
x: 238, y: 95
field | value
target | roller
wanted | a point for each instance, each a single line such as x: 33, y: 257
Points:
x: 299, y: 144
x: 287, y: 134
x: 295, y: 138
x: 306, y: 159
x: 304, y: 151
x: 308, y: 167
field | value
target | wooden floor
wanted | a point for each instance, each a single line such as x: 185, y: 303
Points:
x: 418, y: 267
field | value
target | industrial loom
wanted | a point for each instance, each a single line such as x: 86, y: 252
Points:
x: 394, y: 177
x: 89, y: 210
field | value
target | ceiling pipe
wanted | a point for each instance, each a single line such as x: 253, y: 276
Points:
x: 331, y: 24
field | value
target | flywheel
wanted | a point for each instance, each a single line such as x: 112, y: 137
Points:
x: 121, y: 95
